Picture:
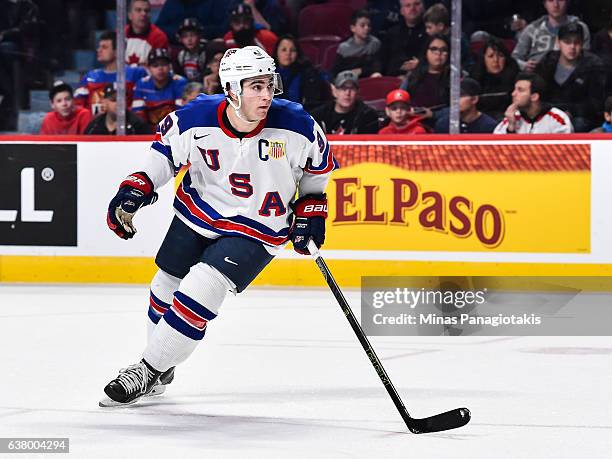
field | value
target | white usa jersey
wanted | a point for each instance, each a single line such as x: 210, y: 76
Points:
x: 240, y: 187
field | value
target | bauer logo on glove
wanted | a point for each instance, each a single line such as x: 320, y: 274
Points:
x: 310, y: 212
x: 135, y: 191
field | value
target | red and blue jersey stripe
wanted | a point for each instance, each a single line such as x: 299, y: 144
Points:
x: 192, y: 207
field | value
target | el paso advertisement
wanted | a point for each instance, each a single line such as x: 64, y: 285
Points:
x: 468, y: 198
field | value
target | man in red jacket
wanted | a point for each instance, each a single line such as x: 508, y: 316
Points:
x: 141, y: 36
x: 66, y: 118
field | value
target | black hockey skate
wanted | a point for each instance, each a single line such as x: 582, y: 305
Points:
x: 166, y: 378
x: 130, y: 385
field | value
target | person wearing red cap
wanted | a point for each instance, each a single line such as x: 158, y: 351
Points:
x: 402, y: 119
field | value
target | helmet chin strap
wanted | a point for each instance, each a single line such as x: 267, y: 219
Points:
x: 239, y: 114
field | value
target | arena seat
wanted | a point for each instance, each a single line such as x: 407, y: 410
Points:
x: 377, y: 88
x: 357, y: 4
x: 329, y: 57
x: 320, y: 43
x: 311, y: 52
x: 325, y: 19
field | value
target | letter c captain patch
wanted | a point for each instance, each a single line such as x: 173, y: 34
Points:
x: 276, y: 149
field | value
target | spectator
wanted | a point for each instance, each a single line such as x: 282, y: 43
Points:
x: 302, y: 83
x: 361, y: 53
x: 212, y: 14
x: 602, y: 42
x: 346, y: 114
x: 191, y: 91
x: 472, y: 121
x: 191, y: 59
x: 140, y: 35
x: 90, y: 92
x: 244, y: 33
x: 527, y: 114
x: 437, y: 22
x: 66, y: 118
x: 576, y: 78
x: 606, y: 127
x: 159, y: 93
x: 495, y: 71
x: 268, y: 15
x: 429, y: 84
x: 384, y: 15
x: 602, y: 46
x: 540, y: 36
x: 18, y: 21
x: 405, y: 41
x: 211, y: 81
x: 401, y: 119
x: 106, y: 122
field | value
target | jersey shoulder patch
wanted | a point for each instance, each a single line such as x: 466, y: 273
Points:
x: 290, y: 116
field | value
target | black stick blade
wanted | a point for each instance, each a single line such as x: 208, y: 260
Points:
x: 444, y: 421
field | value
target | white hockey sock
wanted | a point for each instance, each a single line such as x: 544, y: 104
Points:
x: 167, y: 347
x: 183, y: 325
x: 163, y: 287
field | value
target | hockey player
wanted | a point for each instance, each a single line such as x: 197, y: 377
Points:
x: 248, y: 155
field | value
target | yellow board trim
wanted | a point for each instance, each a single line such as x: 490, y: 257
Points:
x: 281, y: 272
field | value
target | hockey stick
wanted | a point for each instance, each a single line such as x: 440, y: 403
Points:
x: 439, y: 422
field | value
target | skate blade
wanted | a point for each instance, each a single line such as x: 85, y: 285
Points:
x: 108, y: 402
x: 157, y: 390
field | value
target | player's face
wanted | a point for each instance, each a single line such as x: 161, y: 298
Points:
x: 521, y: 96
x: 63, y: 104
x: 437, y: 54
x: 555, y: 8
x: 361, y: 28
x: 160, y: 70
x: 494, y: 61
x: 140, y: 15
x: 398, y: 112
x: 257, y: 95
x: 411, y: 10
x: 190, y: 39
x: 345, y: 95
x: 105, y: 52
x: 571, y: 48
x: 286, y: 53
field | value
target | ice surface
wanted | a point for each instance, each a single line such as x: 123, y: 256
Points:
x: 281, y: 375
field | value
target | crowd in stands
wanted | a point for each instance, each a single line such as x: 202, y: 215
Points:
x: 359, y: 67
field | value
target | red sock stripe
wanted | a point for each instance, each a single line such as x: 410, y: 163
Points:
x: 157, y: 307
x: 188, y: 315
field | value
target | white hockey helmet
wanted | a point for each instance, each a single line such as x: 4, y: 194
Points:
x: 238, y: 64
